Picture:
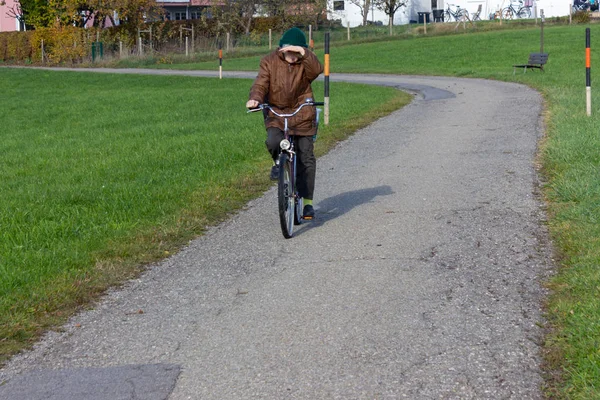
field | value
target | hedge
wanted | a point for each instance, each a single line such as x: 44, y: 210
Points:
x: 71, y: 45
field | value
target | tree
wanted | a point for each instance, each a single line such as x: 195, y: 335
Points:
x: 239, y: 13
x: 36, y: 13
x: 45, y: 13
x: 364, y: 6
x: 137, y: 12
x: 389, y: 7
x: 309, y: 11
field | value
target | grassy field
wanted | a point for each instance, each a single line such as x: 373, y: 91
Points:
x: 100, y: 174
x: 133, y: 140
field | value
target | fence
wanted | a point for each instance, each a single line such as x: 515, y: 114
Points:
x: 81, y: 46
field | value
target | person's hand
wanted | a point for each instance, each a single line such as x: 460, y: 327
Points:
x: 252, y: 104
x: 294, y: 49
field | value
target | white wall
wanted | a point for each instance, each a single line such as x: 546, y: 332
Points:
x: 351, y: 14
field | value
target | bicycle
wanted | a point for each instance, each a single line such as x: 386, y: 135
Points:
x: 457, y: 14
x: 288, y: 200
x: 581, y: 5
x: 523, y: 11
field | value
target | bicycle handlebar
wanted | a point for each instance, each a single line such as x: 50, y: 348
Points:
x: 308, y: 102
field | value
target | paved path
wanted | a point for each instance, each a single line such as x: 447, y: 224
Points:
x: 420, y: 278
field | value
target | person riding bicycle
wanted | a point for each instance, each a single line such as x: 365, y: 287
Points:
x: 284, y: 81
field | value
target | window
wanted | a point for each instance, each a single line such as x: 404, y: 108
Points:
x: 180, y: 16
x: 338, y: 5
x: 195, y: 15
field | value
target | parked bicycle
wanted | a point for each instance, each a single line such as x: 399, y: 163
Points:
x: 289, y: 202
x: 458, y: 13
x: 584, y: 5
x: 520, y: 11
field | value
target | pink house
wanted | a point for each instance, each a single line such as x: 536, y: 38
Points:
x: 8, y: 10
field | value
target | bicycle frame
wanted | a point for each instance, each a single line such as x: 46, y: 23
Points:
x: 290, y: 203
x: 511, y: 11
x: 457, y: 13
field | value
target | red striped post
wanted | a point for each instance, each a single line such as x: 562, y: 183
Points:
x: 220, y: 62
x: 326, y: 100
x: 588, y: 77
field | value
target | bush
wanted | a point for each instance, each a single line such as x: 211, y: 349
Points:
x: 15, y: 46
x: 581, y: 17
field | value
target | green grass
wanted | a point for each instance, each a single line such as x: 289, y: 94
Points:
x: 569, y: 155
x: 100, y: 174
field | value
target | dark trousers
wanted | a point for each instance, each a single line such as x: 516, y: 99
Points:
x: 306, y: 162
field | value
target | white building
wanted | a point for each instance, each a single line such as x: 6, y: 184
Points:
x: 351, y: 12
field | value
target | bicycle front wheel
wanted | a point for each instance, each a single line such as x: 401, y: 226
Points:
x: 299, y: 204
x: 285, y: 196
x: 525, y: 12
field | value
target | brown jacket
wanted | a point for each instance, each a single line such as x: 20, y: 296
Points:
x: 285, y: 86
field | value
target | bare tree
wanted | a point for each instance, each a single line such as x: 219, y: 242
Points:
x: 15, y: 12
x: 364, y: 6
x: 389, y: 7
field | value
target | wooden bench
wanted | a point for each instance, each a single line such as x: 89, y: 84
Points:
x: 536, y: 60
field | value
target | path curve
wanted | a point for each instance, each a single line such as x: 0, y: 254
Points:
x: 420, y: 278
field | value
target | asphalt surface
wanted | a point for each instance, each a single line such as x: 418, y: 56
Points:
x: 421, y: 277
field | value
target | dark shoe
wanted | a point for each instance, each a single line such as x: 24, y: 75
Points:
x: 308, y: 212
x: 274, y: 172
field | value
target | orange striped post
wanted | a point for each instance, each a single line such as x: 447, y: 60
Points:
x: 588, y: 77
x: 220, y: 62
x: 326, y: 100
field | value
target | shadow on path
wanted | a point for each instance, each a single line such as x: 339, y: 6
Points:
x: 335, y: 206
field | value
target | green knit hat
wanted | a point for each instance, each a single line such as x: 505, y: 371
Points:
x: 293, y: 37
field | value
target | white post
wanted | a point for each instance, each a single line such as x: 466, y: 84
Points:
x: 570, y: 14
x: 270, y: 39
x: 348, y: 30
x: 43, y: 51
x: 228, y: 42
x: 140, y: 50
x: 186, y: 47
x: 588, y: 101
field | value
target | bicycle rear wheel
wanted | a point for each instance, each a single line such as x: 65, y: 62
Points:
x: 285, y: 196
x: 507, y: 13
